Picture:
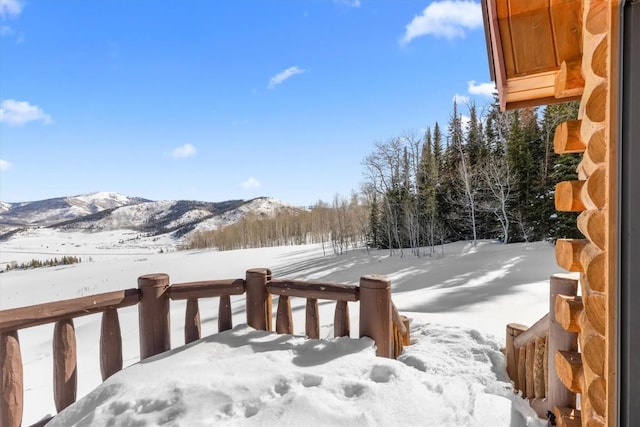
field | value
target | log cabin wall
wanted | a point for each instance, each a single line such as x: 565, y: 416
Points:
x: 594, y: 195
x: 588, y: 62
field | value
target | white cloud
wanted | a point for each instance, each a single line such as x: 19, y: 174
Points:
x: 484, y: 89
x: 5, y: 165
x: 20, y: 112
x: 10, y: 8
x: 446, y: 18
x: 460, y: 99
x: 281, y: 77
x: 184, y: 151
x: 251, y: 183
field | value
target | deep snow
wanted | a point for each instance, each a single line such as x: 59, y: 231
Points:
x: 451, y: 375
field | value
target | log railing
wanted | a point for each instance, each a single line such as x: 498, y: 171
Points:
x: 379, y: 320
x: 541, y: 360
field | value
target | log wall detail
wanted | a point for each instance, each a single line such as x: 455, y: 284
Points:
x: 593, y: 257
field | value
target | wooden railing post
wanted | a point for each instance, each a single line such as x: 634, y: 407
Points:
x: 11, y: 380
x: 513, y: 330
x: 65, y: 364
x: 153, y: 315
x: 341, y: 324
x: 258, y: 299
x: 312, y: 319
x: 192, y: 326
x: 559, y: 340
x: 225, y: 319
x: 375, y: 313
x: 284, y: 319
x: 110, y: 344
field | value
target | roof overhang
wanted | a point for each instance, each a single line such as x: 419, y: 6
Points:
x: 535, y: 50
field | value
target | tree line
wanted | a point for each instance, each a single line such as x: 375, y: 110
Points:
x: 487, y: 175
x: 339, y: 226
x: 490, y: 175
x: 36, y: 263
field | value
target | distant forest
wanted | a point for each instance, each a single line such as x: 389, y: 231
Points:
x: 487, y: 175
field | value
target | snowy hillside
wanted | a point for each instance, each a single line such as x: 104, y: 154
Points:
x: 451, y: 375
x: 98, y: 212
x: 52, y: 211
x: 263, y: 206
x: 4, y: 207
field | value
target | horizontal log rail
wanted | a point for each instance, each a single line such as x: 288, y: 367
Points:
x: 536, y: 357
x: 538, y: 330
x: 379, y: 320
x: 206, y: 289
x: 14, y: 319
x: 310, y: 289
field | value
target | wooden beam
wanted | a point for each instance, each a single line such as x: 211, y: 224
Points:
x: 513, y: 331
x: 593, y: 193
x: 595, y: 309
x: 317, y: 290
x: 567, y: 138
x: 597, y: 395
x: 206, y: 289
x: 567, y: 417
x: 284, y: 318
x: 568, y: 253
x: 225, y: 316
x: 569, y: 370
x: 596, y: 20
x: 522, y: 370
x: 11, y: 380
x: 41, y: 314
x: 65, y: 364
x: 497, y: 46
x: 529, y: 363
x: 539, y: 379
x: 192, y: 327
x: 599, y: 58
x: 312, y: 321
x: 341, y: 322
x: 596, y: 103
x: 567, y: 310
x: 110, y: 344
x: 566, y: 21
x: 569, y: 81
x: 568, y: 196
x: 592, y: 352
x: 592, y: 225
x: 593, y: 262
x: 539, y: 329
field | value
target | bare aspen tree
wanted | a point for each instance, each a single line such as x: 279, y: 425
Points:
x: 382, y: 167
x: 498, y: 179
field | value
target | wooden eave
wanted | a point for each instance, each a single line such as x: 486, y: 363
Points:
x: 535, y: 50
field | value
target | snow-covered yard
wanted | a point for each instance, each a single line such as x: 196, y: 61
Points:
x: 452, y: 375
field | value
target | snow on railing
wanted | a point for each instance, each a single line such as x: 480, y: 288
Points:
x: 541, y: 359
x: 379, y: 320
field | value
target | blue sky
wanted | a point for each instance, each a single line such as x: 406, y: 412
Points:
x: 218, y: 100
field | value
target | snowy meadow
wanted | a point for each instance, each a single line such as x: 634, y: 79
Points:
x: 452, y: 374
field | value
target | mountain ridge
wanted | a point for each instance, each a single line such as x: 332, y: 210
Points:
x: 102, y: 211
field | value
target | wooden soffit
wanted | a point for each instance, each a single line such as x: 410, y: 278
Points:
x: 535, y: 50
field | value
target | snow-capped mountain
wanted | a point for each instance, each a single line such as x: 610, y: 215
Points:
x: 51, y: 211
x: 114, y: 211
x: 262, y: 206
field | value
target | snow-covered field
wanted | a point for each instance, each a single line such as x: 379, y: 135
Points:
x: 452, y: 374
